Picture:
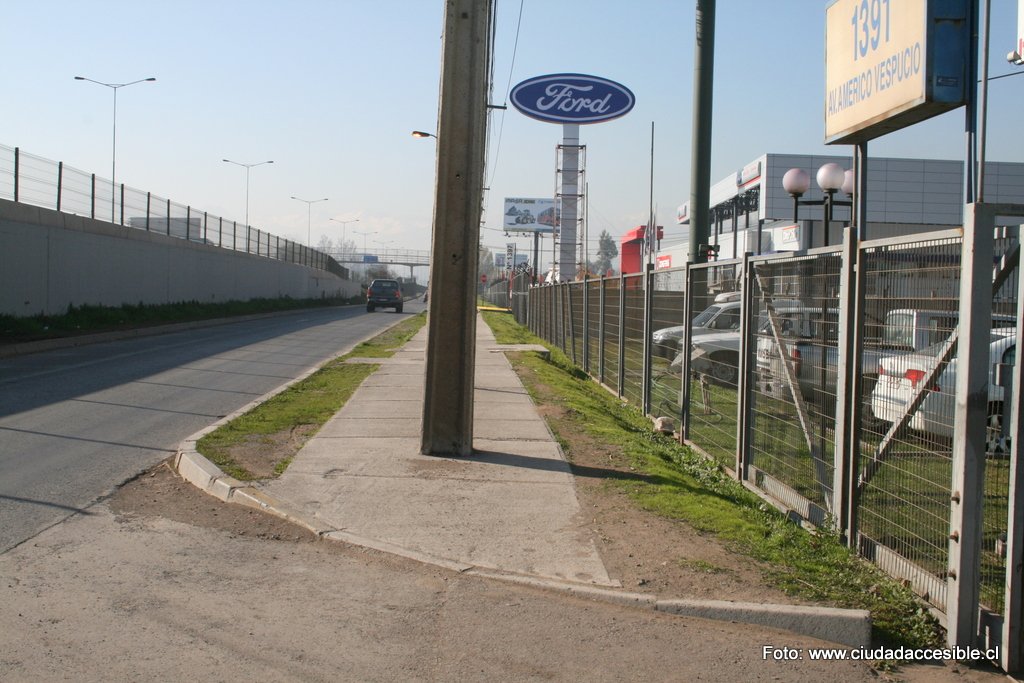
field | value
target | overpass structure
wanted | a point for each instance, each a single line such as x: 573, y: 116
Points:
x: 388, y: 257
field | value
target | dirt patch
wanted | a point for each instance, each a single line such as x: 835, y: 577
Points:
x: 261, y: 454
x: 161, y: 492
x: 646, y: 552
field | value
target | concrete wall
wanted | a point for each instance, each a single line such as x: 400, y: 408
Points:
x: 50, y: 260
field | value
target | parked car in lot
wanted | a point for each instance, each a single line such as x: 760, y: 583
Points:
x: 812, y: 350
x: 721, y: 316
x: 384, y: 294
x: 900, y: 380
x: 717, y: 354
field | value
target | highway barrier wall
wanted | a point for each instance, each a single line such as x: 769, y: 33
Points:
x: 51, y: 260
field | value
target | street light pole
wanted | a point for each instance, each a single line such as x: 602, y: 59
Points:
x: 247, y: 168
x: 344, y: 224
x: 309, y: 205
x: 113, y: 144
x: 364, y: 234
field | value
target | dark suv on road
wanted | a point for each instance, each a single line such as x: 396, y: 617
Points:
x: 384, y: 294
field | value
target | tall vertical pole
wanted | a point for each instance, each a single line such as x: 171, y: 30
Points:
x: 113, y: 164
x: 970, y: 110
x: 983, y: 103
x: 570, y: 175
x: 461, y: 148
x: 700, y: 167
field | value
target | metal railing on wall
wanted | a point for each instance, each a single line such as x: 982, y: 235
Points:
x: 30, y: 179
x: 827, y: 382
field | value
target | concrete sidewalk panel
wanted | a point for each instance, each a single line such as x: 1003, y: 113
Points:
x: 511, y: 430
x: 518, y: 411
x: 371, y: 427
x: 357, y: 407
x: 501, y: 395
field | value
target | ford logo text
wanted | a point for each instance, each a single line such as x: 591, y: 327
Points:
x: 572, y: 98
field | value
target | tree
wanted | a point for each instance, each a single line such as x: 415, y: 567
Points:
x: 378, y: 271
x: 606, y: 251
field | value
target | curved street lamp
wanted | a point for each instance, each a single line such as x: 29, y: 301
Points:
x: 113, y: 145
x: 246, y: 167
x: 423, y: 134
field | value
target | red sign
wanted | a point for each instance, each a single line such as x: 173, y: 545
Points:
x: 483, y: 278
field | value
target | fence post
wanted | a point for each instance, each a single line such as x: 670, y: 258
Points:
x: 684, y: 355
x: 168, y: 217
x: 967, y: 499
x: 17, y: 171
x: 745, y: 404
x: 586, y: 321
x: 92, y: 197
x: 621, y: 384
x: 206, y: 227
x: 149, y: 197
x: 188, y: 223
x: 849, y: 389
x: 234, y: 235
x: 60, y: 181
x: 601, y: 330
x: 122, y: 203
x: 645, y: 379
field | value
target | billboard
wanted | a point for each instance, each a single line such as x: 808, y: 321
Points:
x: 530, y: 215
x: 889, y: 64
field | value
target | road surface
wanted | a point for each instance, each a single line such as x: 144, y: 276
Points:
x: 74, y: 423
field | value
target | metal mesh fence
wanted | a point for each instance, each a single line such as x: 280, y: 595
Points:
x: 796, y: 317
x: 714, y: 360
x: 668, y: 300
x: 613, y: 333
x: 31, y: 179
x: 633, y: 339
x: 904, y: 466
x: 777, y: 424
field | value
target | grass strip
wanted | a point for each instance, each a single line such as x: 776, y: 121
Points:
x: 304, y: 406
x: 682, y: 485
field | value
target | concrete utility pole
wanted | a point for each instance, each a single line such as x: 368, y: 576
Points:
x: 461, y: 146
x: 700, y: 165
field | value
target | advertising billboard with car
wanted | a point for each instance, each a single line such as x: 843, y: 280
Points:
x: 530, y: 215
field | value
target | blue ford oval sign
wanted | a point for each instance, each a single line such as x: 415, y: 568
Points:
x: 572, y: 98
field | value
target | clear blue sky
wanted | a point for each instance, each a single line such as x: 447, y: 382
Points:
x: 330, y: 90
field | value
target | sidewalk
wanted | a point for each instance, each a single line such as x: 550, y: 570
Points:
x: 511, y: 507
x: 509, y: 512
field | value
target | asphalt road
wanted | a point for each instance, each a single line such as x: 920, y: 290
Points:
x: 74, y: 423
